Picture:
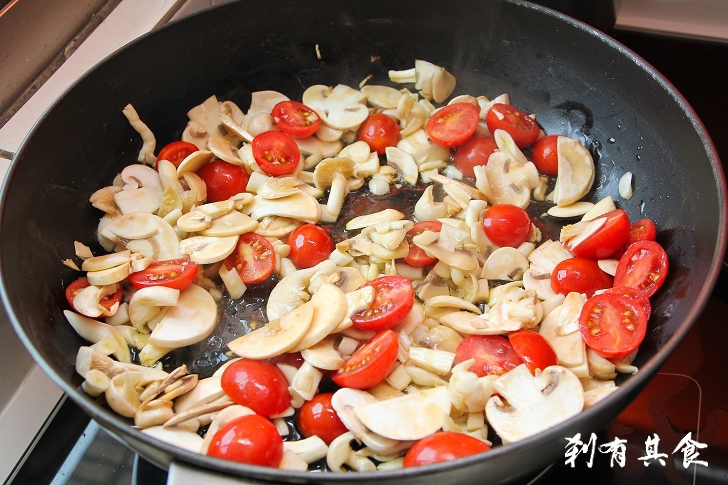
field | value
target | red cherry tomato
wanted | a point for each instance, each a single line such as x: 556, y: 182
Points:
x: 606, y: 240
x: 176, y: 151
x: 276, y: 153
x: 612, y: 325
x: 453, y: 124
x: 632, y: 294
x: 580, y: 275
x: 223, y: 180
x: 643, y: 267
x: 81, y: 283
x: 173, y: 273
x: 443, y: 446
x: 416, y: 255
x: 370, y: 364
x: 254, y: 258
x: 507, y: 225
x: 533, y: 349
x: 545, y: 155
x: 642, y: 230
x: 291, y: 358
x: 379, y: 131
x: 257, y: 384
x: 474, y: 152
x: 250, y: 439
x: 295, y: 119
x: 394, y: 297
x: 310, y: 244
x: 317, y: 417
x: 493, y: 354
x: 513, y: 121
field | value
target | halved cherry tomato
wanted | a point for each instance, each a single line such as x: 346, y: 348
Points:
x: 317, y: 417
x: 533, y: 349
x: 295, y: 119
x: 513, y: 121
x: 276, y: 153
x: 632, y: 294
x: 223, y: 180
x: 257, y: 384
x: 416, y: 255
x: 493, y: 354
x: 507, y: 225
x: 176, y: 151
x: 379, y: 131
x: 612, y: 325
x: 606, y: 240
x: 310, y: 244
x: 581, y: 275
x: 642, y: 230
x: 474, y: 152
x: 643, y: 267
x: 453, y: 124
x: 254, y: 258
x: 172, y: 273
x: 394, y: 297
x: 250, y: 439
x: 81, y: 283
x: 370, y: 364
x: 545, y: 155
x: 443, y: 446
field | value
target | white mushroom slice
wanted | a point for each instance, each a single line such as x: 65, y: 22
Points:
x: 533, y: 403
x: 325, y: 172
x: 95, y: 331
x: 207, y: 115
x: 574, y: 210
x: 455, y: 188
x: 452, y: 255
x: 517, y: 309
x: 383, y: 97
x: 593, y: 396
x: 195, y: 161
x: 103, y: 199
x: 433, y: 82
x: 233, y: 282
x: 106, y: 261
x: 140, y: 225
x: 570, y: 348
x: 423, y: 411
x: 290, y: 292
x: 109, y: 276
x: 426, y: 209
x: 404, y: 164
x: 310, y: 449
x: 193, y: 221
x: 436, y: 361
x: 195, y: 133
x: 419, y: 146
x: 121, y: 395
x: 504, y: 180
x: 599, y: 367
x: 262, y: 102
x: 232, y: 125
x: 87, y: 302
x: 313, y: 145
x: 441, y: 337
x: 548, y: 255
x: 438, y: 306
x: 538, y: 280
x: 342, y: 107
x: 146, y: 154
x: 467, y: 391
x: 329, y: 309
x: 507, y: 264
x: 404, y: 76
x: 142, y: 191
x: 506, y: 144
x: 206, y: 391
x: 231, y: 224
x: 324, y: 355
x: 367, y: 220
x: 278, y: 187
x: 625, y: 186
x: 575, y: 171
x: 609, y: 266
x: 147, y: 303
x: 348, y: 279
x: 176, y: 437
x: 600, y: 208
x: 224, y: 150
x: 191, y: 320
x: 300, y: 206
x: 206, y: 249
x: 277, y: 337
x: 575, y: 234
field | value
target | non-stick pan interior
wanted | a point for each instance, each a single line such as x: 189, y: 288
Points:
x: 578, y: 82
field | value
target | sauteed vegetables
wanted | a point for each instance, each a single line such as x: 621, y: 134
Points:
x: 400, y: 338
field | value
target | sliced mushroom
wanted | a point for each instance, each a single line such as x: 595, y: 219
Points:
x: 504, y: 180
x: 426, y: 209
x: 95, y: 331
x: 142, y: 191
x: 569, y: 347
x: 191, y: 320
x: 207, y: 249
x: 329, y: 309
x: 372, y: 219
x: 300, y: 206
x: 103, y: 199
x: 342, y: 107
x: 291, y: 291
x: 575, y: 171
x: 404, y: 164
x: 139, y: 225
x: 146, y: 154
x: 382, y: 97
x: 507, y: 264
x: 176, y: 437
x: 324, y: 355
x: 233, y: 223
x: 121, y: 395
x: 339, y: 175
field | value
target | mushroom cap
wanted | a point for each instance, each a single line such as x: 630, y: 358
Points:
x: 326, y: 170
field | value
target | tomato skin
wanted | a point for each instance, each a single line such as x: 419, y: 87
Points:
x: 493, y: 354
x: 545, y: 155
x: 295, y: 119
x: 310, y: 244
x: 580, y: 275
x: 250, y: 439
x: 513, y: 121
x: 642, y: 230
x: 173, y: 273
x: 533, y: 349
x: 257, y: 384
x: 632, y: 294
x: 176, y: 151
x: 475, y: 151
x: 254, y: 258
x: 607, y: 240
x: 317, y: 417
x: 81, y: 283
x: 417, y: 256
x: 379, y: 131
x: 612, y: 325
x: 507, y: 225
x: 371, y: 362
x: 276, y: 153
x: 644, y: 267
x: 394, y: 297
x: 223, y: 180
x: 443, y: 446
x: 453, y: 124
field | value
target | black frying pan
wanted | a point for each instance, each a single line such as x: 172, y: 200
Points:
x: 580, y: 83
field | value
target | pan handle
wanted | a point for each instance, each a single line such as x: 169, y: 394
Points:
x: 184, y: 474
